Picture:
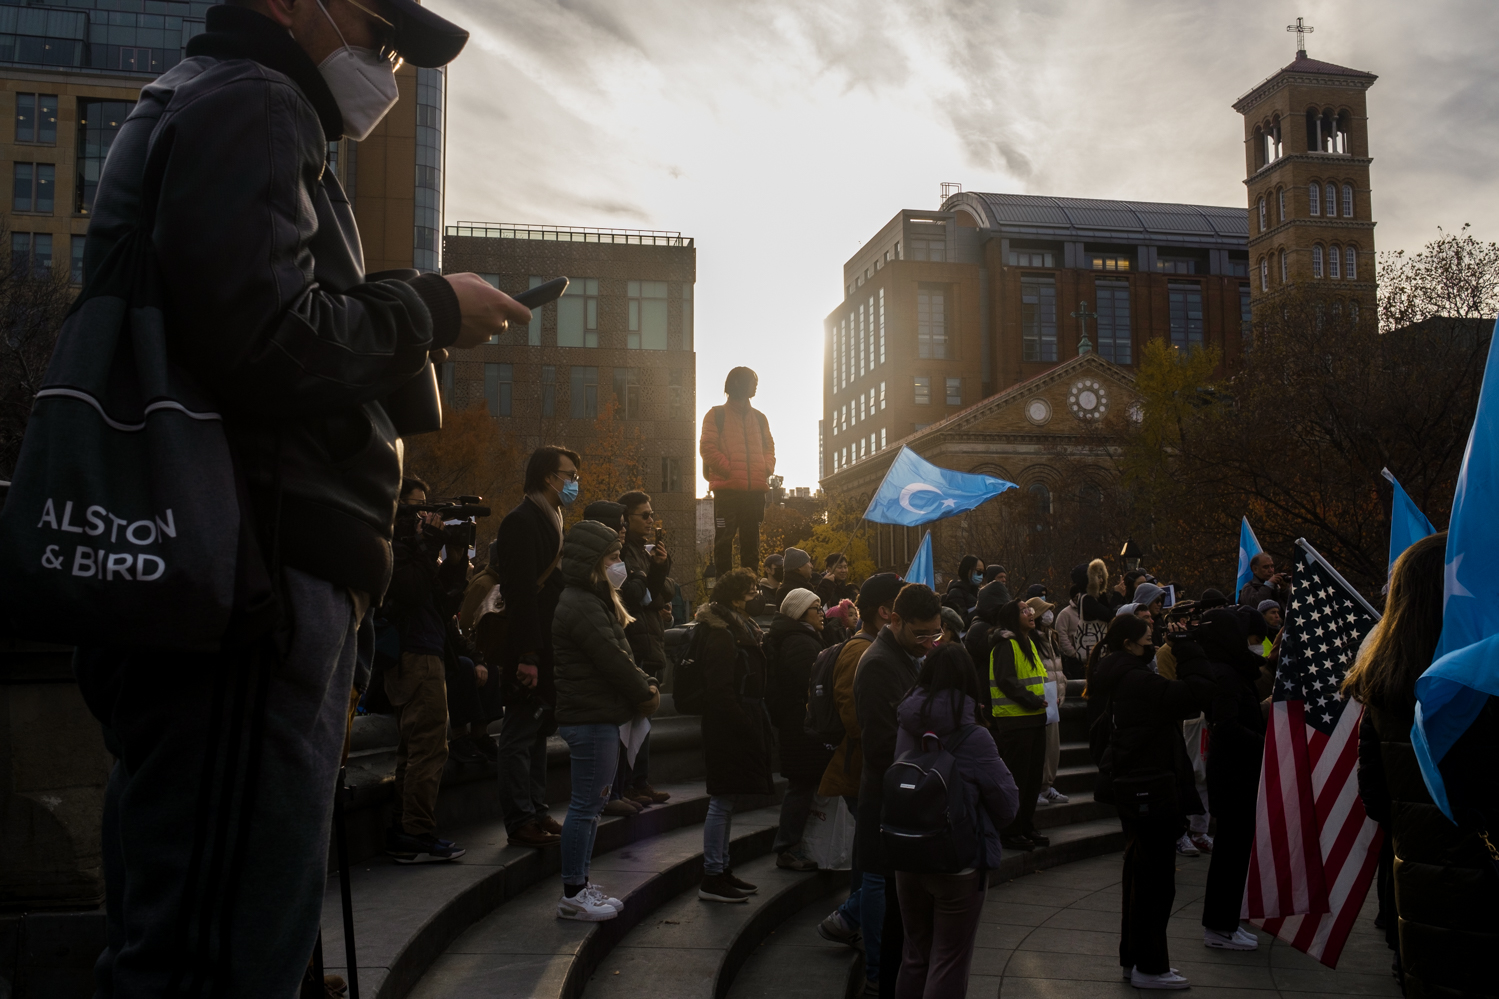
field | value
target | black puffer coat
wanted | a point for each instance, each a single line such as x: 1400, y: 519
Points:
x: 1215, y: 661
x: 1148, y: 712
x: 736, y: 727
x: 1446, y: 889
x: 790, y: 649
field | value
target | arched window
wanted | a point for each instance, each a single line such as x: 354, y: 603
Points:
x: 1040, y: 505
x: 1344, y: 119
x: 1329, y: 132
x: 1264, y: 274
x: 1285, y: 276
x: 1280, y: 196
x: 1334, y: 262
x: 1350, y: 263
x: 1313, y: 130
x: 1263, y: 225
x: 1348, y: 201
x: 1332, y: 200
x: 1314, y: 199
x: 1261, y: 148
x: 1353, y: 311
x: 1276, y: 149
x: 1317, y: 261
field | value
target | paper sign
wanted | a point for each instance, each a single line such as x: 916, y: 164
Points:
x: 1053, y: 711
x: 632, y: 733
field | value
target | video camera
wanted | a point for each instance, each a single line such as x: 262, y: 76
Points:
x: 466, y: 509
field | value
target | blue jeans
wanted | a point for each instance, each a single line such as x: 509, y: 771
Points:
x: 595, y: 751
x: 716, y: 829
x: 872, y: 922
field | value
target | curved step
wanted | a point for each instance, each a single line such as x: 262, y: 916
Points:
x: 523, y: 949
x: 692, y: 949
x: 793, y: 962
x: 406, y: 916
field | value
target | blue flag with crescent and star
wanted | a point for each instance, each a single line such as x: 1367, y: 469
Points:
x: 917, y: 492
x: 923, y: 569
x: 1465, y: 668
x: 1407, y: 523
x: 1249, y: 547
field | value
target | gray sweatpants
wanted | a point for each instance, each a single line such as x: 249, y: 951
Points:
x: 217, y: 814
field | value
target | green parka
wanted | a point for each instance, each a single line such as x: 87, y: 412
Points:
x: 598, y: 682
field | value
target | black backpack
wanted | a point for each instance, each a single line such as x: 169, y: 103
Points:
x: 687, y: 676
x: 929, y: 819
x: 823, y: 721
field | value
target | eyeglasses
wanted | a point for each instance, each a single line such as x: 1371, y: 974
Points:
x: 387, y: 47
x: 927, y: 636
x: 647, y: 515
x: 569, y: 476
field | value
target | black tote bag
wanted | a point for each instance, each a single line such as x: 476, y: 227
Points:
x: 123, y: 524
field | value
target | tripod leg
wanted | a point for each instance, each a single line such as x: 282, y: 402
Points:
x: 341, y: 844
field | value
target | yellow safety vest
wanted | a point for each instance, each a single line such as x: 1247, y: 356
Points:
x: 1032, y: 674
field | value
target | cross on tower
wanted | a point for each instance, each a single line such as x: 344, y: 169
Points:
x: 1082, y: 315
x: 1302, y: 29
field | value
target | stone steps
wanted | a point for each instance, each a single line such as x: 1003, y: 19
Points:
x: 794, y: 962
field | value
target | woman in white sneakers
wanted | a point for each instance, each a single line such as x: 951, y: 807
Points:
x: 599, y: 688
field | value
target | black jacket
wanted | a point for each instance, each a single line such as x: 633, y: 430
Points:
x: 647, y: 633
x: 886, y: 674
x: 1216, y: 663
x: 736, y: 729
x: 424, y: 594
x: 962, y: 596
x: 791, y: 648
x: 267, y: 303
x: 1148, y: 711
x: 528, y: 541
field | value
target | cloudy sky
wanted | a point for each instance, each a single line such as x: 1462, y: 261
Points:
x: 782, y: 133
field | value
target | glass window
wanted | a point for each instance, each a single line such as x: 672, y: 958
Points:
x: 1264, y: 274
x: 20, y: 252
x: 882, y: 438
x: 98, y: 124
x: 1186, y: 314
x: 934, y: 250
x: 1109, y: 261
x: 332, y: 157
x: 1263, y: 224
x: 647, y: 329
x: 1237, y: 266
x: 1176, y: 265
x: 882, y: 325
x: 1031, y: 258
x: 1348, y: 201
x: 75, y: 270
x: 1040, y: 505
x: 954, y: 391
x: 671, y: 474
x: 1350, y: 264
x: 25, y: 183
x: 1285, y: 274
x: 882, y: 395
x: 1314, y: 199
x: 1038, y: 318
x: 1316, y: 261
x: 687, y: 317
x: 627, y: 393
x: 427, y: 238
x: 1113, y: 321
x: 36, y: 118
x: 1331, y: 202
x: 931, y: 320
x: 676, y: 396
x: 1280, y: 196
x: 1245, y: 316
x: 497, y: 387
x: 923, y: 390
x: 584, y: 390
x: 548, y: 390
x: 31, y: 253
x: 26, y: 117
x: 533, y: 328
x: 578, y: 314
x: 1334, y: 262
x: 863, y: 401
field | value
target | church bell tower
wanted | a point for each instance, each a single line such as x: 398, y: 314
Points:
x: 1306, y: 145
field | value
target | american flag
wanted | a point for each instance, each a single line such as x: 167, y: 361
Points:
x: 1315, y: 850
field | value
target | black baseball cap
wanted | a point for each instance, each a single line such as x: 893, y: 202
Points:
x: 421, y: 37
x: 878, y: 590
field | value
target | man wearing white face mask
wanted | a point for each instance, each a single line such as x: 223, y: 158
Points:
x: 217, y: 819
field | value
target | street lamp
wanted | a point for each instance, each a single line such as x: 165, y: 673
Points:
x: 1131, y: 554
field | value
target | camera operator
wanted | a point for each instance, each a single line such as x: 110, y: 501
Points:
x: 646, y: 593
x: 420, y: 602
x: 529, y: 546
x: 1267, y: 584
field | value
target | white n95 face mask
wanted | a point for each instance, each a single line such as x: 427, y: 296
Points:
x: 363, y: 85
x: 617, y: 574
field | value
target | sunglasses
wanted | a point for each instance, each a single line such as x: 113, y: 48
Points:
x: 387, y: 47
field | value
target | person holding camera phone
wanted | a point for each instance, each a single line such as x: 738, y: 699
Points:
x: 1267, y: 584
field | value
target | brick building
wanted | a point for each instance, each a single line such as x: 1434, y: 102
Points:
x: 943, y: 309
x: 623, y: 334
x: 70, y: 74
x: 1306, y: 146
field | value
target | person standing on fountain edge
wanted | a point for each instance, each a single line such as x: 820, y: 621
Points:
x: 739, y: 457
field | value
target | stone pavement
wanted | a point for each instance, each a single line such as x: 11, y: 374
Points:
x: 1055, y: 935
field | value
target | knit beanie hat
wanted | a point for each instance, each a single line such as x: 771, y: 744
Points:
x: 1266, y: 605
x: 797, y: 602
x: 796, y: 558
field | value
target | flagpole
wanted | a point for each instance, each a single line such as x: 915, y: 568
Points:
x: 1306, y: 547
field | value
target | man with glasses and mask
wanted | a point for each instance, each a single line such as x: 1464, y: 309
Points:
x: 887, y: 671
x: 217, y: 819
x: 529, y: 547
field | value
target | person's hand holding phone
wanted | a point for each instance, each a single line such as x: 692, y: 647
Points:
x: 486, y: 312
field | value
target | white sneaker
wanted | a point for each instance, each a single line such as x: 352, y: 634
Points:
x: 1239, y: 939
x: 600, y: 895
x: 1042, y: 799
x: 1169, y: 980
x: 1055, y: 797
x: 1186, y: 847
x: 585, y: 906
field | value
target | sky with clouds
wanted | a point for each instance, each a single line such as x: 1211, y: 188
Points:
x: 782, y: 134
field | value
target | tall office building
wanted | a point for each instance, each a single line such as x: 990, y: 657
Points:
x: 70, y: 72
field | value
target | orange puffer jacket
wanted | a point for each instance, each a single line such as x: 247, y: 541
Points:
x: 738, y: 451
